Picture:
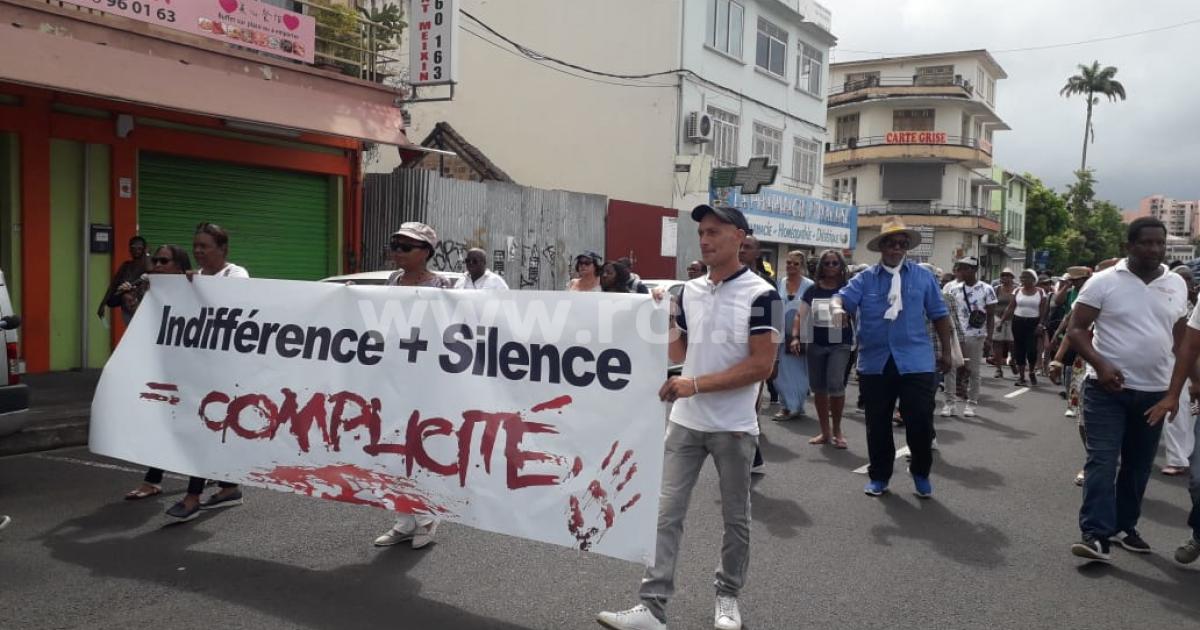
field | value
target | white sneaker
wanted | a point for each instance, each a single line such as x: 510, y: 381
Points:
x: 969, y: 410
x: 727, y: 616
x: 933, y: 445
x: 948, y: 410
x: 423, y: 537
x: 393, y: 537
x: 1070, y: 413
x: 637, y: 618
x: 759, y: 470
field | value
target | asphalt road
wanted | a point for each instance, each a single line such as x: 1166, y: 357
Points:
x: 990, y: 551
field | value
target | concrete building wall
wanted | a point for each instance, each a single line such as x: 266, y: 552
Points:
x: 551, y: 130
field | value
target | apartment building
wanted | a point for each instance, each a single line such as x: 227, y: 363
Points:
x: 1181, y: 217
x: 733, y: 79
x: 913, y: 136
x: 1006, y: 248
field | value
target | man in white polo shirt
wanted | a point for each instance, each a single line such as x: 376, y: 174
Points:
x: 1138, y: 309
x: 478, y: 276
x: 726, y: 332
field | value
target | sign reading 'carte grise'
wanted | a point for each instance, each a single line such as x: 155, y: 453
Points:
x: 533, y: 414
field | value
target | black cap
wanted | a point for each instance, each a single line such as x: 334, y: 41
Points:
x: 732, y: 216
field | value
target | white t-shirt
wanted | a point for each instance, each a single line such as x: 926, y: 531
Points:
x: 1028, y: 305
x: 489, y: 280
x: 976, y: 298
x: 719, y: 320
x: 1134, y: 328
x: 230, y: 270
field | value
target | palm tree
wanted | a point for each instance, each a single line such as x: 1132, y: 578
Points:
x: 1090, y: 81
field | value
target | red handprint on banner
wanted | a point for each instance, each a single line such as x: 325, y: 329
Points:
x: 590, y: 518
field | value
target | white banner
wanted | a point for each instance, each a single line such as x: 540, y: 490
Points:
x: 533, y: 414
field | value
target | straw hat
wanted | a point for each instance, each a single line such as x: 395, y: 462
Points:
x: 892, y: 226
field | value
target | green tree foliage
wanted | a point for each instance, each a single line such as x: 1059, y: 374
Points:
x: 1046, y: 221
x: 1075, y: 227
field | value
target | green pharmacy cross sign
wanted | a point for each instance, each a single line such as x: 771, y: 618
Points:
x: 750, y: 178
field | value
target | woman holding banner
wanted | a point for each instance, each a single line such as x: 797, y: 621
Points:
x: 411, y: 248
x: 587, y: 271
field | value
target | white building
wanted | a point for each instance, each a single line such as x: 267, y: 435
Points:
x: 739, y: 78
x: 912, y: 136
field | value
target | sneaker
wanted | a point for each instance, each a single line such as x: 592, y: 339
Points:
x: 759, y: 470
x: 637, y: 618
x: 969, y: 410
x: 727, y: 616
x: 1071, y: 413
x: 948, y: 410
x: 5, y: 520
x: 217, y: 501
x: 181, y: 512
x: 1032, y: 379
x: 1188, y: 552
x: 876, y: 488
x: 933, y: 445
x: 1079, y: 479
x: 1131, y: 541
x: 423, y: 537
x: 924, y: 488
x: 393, y: 537
x: 1092, y: 548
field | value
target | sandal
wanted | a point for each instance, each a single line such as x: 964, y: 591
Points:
x: 839, y: 443
x: 819, y: 440
x: 139, y: 494
x: 781, y: 415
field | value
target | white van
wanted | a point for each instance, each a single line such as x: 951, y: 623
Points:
x: 14, y: 395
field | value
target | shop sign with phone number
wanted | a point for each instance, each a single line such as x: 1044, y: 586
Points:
x: 246, y: 23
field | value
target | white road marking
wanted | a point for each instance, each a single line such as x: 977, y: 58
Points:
x: 900, y: 452
x: 1016, y: 393
x: 87, y: 462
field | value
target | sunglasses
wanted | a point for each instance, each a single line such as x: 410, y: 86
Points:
x: 889, y: 243
x: 161, y: 261
x: 406, y: 247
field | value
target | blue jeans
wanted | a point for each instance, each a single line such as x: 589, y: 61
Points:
x: 1194, y: 485
x: 1120, y: 456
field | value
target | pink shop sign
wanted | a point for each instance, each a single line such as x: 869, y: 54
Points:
x: 245, y: 23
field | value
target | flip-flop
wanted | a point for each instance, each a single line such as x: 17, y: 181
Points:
x: 819, y: 440
x: 139, y: 494
x: 839, y: 443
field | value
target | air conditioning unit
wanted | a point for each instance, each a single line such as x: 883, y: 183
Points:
x: 699, y: 128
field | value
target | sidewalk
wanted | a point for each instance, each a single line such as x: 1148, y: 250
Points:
x: 60, y: 406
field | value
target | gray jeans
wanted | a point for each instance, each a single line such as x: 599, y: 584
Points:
x: 972, y: 349
x: 685, y: 452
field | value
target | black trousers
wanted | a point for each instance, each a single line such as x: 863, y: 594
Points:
x: 1025, y: 341
x: 917, y: 396
x: 195, y: 484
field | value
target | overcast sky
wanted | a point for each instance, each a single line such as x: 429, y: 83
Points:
x: 1144, y: 145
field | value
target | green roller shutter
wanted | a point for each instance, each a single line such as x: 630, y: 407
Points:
x: 279, y: 222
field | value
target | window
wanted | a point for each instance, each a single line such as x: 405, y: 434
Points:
x: 768, y: 141
x: 805, y: 156
x: 772, y: 48
x: 724, y: 147
x: 912, y: 120
x: 846, y: 187
x: 725, y: 26
x: 934, y: 75
x: 859, y: 80
x: 809, y: 69
x: 847, y: 127
x: 991, y: 91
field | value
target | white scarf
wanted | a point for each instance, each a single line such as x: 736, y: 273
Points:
x: 895, y: 295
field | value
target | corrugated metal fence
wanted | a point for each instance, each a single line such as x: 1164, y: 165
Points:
x: 531, y: 235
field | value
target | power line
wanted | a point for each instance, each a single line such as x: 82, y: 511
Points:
x: 1081, y: 42
x: 560, y: 70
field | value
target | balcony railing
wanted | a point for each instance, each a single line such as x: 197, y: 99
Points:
x: 928, y: 207
x: 347, y: 41
x: 875, y: 141
x: 913, y: 81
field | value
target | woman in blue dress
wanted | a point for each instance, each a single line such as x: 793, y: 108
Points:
x: 792, y: 378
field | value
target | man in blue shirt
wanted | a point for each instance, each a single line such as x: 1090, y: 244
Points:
x: 894, y: 299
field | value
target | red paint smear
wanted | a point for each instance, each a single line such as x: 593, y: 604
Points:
x: 577, y: 468
x: 575, y: 525
x: 596, y: 491
x: 631, y: 503
x: 163, y: 386
x: 624, y: 460
x: 607, y: 460
x: 172, y: 400
x: 556, y: 403
x: 628, y: 477
x: 351, y: 484
x: 609, y: 516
